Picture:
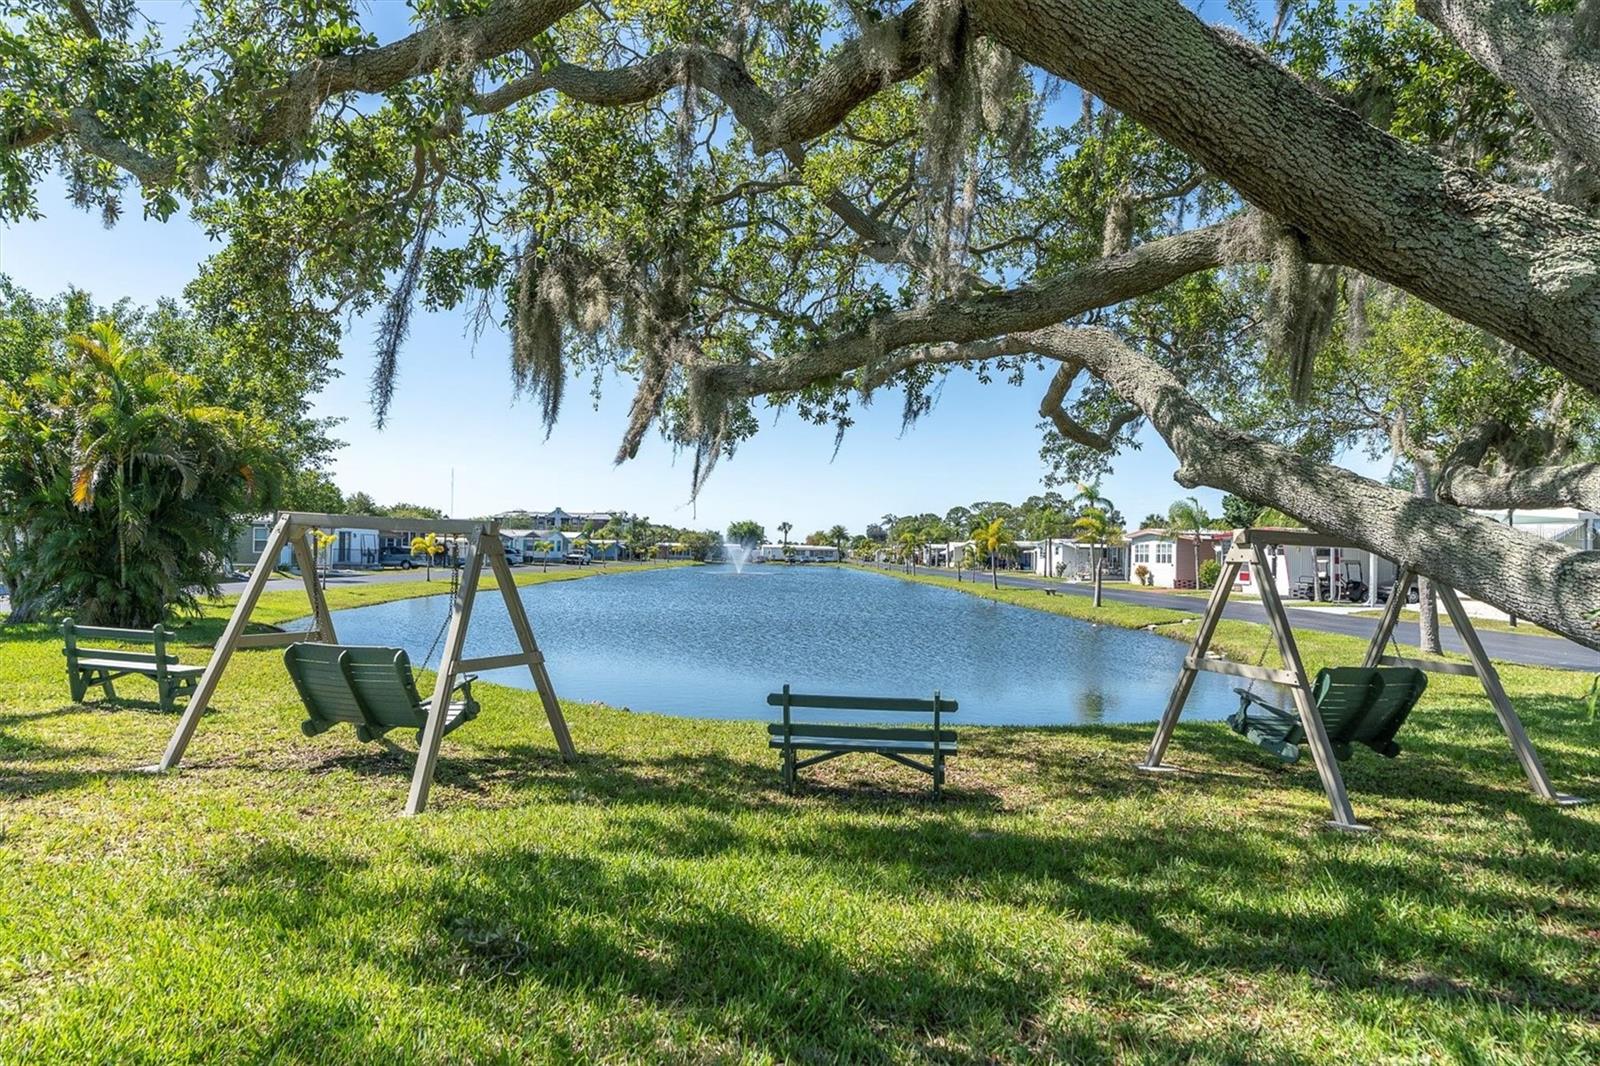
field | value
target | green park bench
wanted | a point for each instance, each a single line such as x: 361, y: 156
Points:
x: 922, y: 747
x: 95, y: 665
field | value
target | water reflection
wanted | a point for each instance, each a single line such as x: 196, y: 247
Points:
x: 708, y: 641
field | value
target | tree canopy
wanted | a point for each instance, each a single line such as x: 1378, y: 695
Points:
x: 1151, y: 220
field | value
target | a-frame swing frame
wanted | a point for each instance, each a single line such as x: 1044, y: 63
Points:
x: 1249, y: 548
x: 292, y: 530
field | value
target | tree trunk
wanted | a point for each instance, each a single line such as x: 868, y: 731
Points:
x: 994, y: 570
x: 1422, y: 482
x: 1099, y: 569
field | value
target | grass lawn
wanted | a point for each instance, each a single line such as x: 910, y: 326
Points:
x: 1499, y: 625
x: 662, y: 900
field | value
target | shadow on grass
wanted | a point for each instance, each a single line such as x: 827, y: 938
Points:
x: 785, y: 974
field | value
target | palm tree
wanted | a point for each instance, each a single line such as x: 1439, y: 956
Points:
x: 1189, y: 515
x: 122, y: 482
x: 839, y: 536
x: 910, y: 540
x: 993, y: 539
x: 1094, y: 525
x: 320, y: 543
x: 545, y: 547
x: 1047, y: 524
x: 784, y: 528
x: 430, y: 546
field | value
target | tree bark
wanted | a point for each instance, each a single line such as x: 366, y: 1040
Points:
x: 1519, y: 266
x: 1542, y: 57
x: 1569, y: 485
x: 1422, y: 484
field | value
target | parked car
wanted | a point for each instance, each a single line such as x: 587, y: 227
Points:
x: 1387, y: 590
x: 397, y: 557
x: 514, y: 556
x: 576, y: 558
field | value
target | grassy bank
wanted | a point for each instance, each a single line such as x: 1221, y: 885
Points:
x: 662, y: 900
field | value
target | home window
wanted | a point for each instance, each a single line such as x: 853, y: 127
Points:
x: 258, y: 538
x: 1141, y: 553
x: 1164, y: 551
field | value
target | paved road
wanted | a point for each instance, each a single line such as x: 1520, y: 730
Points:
x: 1505, y: 647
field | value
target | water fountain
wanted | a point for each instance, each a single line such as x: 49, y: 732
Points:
x: 737, y: 554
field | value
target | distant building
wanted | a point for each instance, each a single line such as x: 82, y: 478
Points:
x: 352, y: 546
x: 1171, y: 557
x: 560, y: 520
x: 801, y: 553
x: 1061, y: 557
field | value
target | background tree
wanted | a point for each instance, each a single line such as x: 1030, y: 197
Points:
x: 321, y: 551
x: 1047, y: 524
x: 783, y: 530
x: 1094, y: 525
x: 909, y: 541
x: 430, y: 547
x: 121, y: 485
x: 994, y: 540
x: 412, y: 510
x: 1238, y: 512
x: 839, y: 537
x: 1190, y: 516
x: 747, y: 533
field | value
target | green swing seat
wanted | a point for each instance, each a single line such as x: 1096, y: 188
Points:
x: 1358, y: 705
x: 371, y: 688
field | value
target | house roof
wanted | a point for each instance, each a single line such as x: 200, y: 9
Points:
x: 1205, y: 534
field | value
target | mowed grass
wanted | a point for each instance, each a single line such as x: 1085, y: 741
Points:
x: 661, y: 899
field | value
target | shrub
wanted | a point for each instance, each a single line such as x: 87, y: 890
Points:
x: 1142, y: 572
x: 1210, y: 570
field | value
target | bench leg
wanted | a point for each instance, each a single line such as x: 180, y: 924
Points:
x: 788, y: 771
x: 77, y: 683
x: 938, y: 777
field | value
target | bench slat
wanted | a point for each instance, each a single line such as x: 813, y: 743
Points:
x: 146, y: 658
x: 869, y: 732
x: 901, y: 747
x: 861, y: 703
x: 135, y: 667
x: 126, y: 636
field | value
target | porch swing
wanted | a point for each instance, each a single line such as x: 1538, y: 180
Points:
x: 1357, y: 705
x: 373, y: 688
x: 1346, y: 705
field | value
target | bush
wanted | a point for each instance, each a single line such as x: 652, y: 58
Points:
x: 1210, y: 570
x: 1142, y: 572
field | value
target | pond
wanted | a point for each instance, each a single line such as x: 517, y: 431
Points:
x: 710, y: 642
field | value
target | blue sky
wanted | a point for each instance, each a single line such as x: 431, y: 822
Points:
x: 453, y: 412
